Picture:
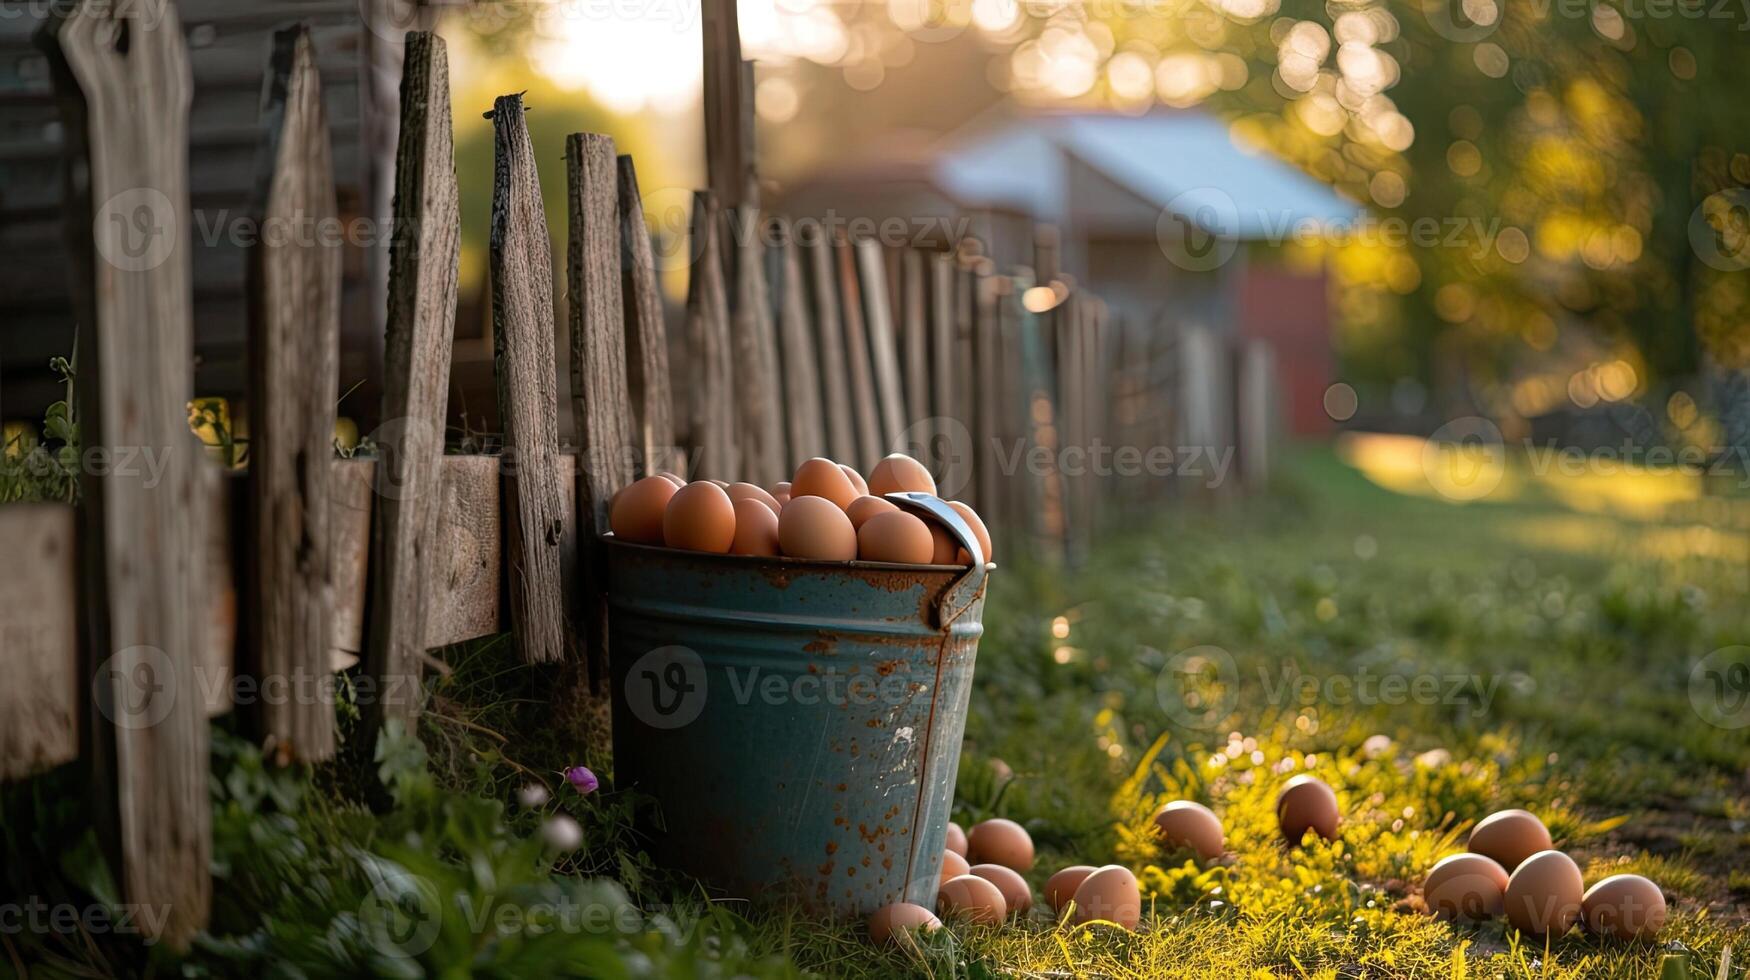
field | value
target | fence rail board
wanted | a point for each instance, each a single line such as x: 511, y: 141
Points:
x: 39, y: 703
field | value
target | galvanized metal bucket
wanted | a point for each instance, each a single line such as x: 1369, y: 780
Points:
x: 799, y: 722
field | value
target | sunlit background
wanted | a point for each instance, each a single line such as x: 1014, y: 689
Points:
x: 1573, y: 170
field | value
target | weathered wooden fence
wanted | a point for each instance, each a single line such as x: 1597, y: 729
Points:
x: 178, y: 590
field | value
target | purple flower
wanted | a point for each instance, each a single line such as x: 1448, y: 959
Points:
x: 582, y: 780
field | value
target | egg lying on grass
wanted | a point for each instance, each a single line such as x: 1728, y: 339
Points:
x: 1185, y: 823
x: 1016, y: 895
x: 1110, y: 894
x: 974, y: 898
x: 953, y: 866
x: 1306, y: 803
x: 999, y: 841
x: 1625, y: 906
x: 1465, y: 886
x: 1509, y: 837
x: 890, y: 921
x: 1544, y: 893
x: 1062, y: 886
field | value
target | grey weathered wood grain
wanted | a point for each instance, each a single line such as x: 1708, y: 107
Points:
x: 865, y: 409
x: 913, y: 335
x: 711, y: 401
x: 418, y: 335
x: 804, y: 428
x: 39, y: 643
x: 538, y: 520
x: 599, y: 400
x: 728, y: 99
x: 126, y: 119
x: 941, y: 333
x: 759, y: 409
x: 829, y: 332
x: 223, y: 494
x: 966, y: 373
x: 465, y: 578
x: 294, y: 283
x: 883, y: 352
x: 352, y: 515
x: 647, y: 373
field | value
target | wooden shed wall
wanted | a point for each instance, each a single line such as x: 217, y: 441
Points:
x: 228, y: 46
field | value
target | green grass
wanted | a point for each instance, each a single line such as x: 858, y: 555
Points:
x: 1559, y: 639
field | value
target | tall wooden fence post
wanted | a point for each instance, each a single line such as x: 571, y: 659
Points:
x: 710, y: 399
x: 294, y: 302
x: 423, y: 259
x: 647, y: 377
x: 127, y: 124
x: 599, y: 403
x: 538, y: 523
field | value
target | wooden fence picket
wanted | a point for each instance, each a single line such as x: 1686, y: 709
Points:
x: 423, y: 258
x: 758, y: 408
x: 829, y: 331
x: 647, y: 377
x: 710, y: 397
x: 914, y: 345
x: 127, y: 126
x: 883, y: 347
x: 803, y: 426
x: 942, y: 333
x: 538, y: 520
x: 598, y: 377
x: 294, y: 284
x: 864, y: 408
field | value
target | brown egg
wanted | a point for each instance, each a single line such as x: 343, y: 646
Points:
x: 1306, y: 804
x: 700, y: 517
x: 1624, y: 906
x: 891, y: 920
x: 756, y: 529
x: 974, y: 898
x: 1510, y: 837
x: 999, y: 841
x: 780, y: 490
x: 1184, y: 823
x: 979, y: 531
x: 674, y: 478
x: 1016, y: 895
x: 1109, y: 893
x: 636, y: 513
x: 944, y: 550
x: 1465, y: 886
x: 857, y: 482
x: 812, y: 527
x: 896, y: 537
x: 1062, y: 886
x: 1544, y: 893
x: 747, y: 491
x: 953, y: 866
x: 782, y: 499
x: 865, y: 507
x: 956, y: 839
x: 823, y: 478
x: 900, y: 472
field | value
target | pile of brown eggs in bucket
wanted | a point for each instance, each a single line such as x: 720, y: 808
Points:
x: 1511, y: 868
x: 825, y: 511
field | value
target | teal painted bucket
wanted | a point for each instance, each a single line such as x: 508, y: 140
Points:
x: 798, y: 722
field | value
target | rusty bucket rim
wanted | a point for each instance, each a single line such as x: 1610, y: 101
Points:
x: 788, y: 561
